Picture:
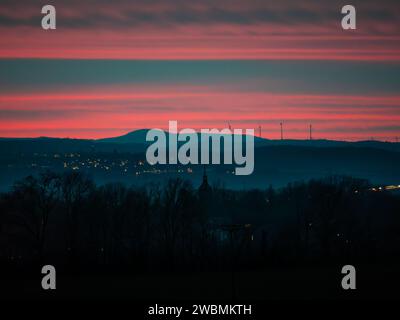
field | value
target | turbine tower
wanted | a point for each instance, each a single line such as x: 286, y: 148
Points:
x: 281, y: 124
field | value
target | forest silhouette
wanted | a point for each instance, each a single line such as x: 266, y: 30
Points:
x: 65, y: 219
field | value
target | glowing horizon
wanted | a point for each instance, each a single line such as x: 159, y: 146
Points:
x: 110, y: 68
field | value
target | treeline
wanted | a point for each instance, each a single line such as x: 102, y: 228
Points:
x: 65, y: 219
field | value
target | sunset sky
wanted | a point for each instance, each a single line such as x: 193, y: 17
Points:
x: 115, y: 66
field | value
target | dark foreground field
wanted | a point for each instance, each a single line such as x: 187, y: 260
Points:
x: 288, y: 283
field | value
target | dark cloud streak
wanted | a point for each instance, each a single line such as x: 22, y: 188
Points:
x: 123, y: 14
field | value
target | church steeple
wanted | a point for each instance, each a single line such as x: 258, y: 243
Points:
x: 204, y: 185
x: 205, y: 180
